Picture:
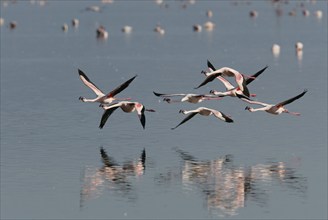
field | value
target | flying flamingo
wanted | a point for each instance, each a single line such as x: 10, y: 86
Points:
x: 127, y: 107
x: 277, y: 109
x: 192, y: 98
x: 233, y: 91
x: 226, y: 72
x: 101, y: 97
x: 205, y: 112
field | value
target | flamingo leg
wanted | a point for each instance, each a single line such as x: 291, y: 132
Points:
x: 294, y: 113
x: 214, y: 98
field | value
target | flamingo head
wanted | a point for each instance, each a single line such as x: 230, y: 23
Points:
x: 81, y: 98
x: 168, y: 100
x: 248, y: 108
x: 203, y: 72
x: 181, y: 111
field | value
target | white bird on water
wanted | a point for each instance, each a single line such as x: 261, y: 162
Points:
x: 127, y: 107
x: 102, y: 97
x: 277, y: 109
x: 204, y: 112
x: 192, y: 98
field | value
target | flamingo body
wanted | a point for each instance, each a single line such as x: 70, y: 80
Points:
x: 126, y: 107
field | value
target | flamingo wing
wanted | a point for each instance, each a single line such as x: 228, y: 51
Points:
x: 209, y: 78
x: 245, y: 88
x: 210, y: 65
x: 141, y: 113
x: 90, y: 84
x: 106, y: 115
x: 121, y: 87
x: 142, y: 119
x: 291, y: 99
x: 249, y: 80
x: 222, y: 116
x: 168, y: 95
x: 186, y: 119
x: 226, y: 83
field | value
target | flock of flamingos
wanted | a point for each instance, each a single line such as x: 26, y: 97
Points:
x: 110, y: 103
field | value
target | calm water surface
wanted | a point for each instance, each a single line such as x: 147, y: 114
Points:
x: 56, y: 163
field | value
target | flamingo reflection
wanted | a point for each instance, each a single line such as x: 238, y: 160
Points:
x: 226, y: 188
x: 111, y: 176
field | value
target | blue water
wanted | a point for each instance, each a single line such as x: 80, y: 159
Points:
x: 259, y: 167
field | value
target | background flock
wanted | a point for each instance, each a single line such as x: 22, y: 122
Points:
x: 110, y: 103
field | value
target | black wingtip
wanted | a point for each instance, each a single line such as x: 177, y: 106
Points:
x: 156, y: 94
x: 262, y: 70
x: 229, y: 120
x: 131, y: 79
x: 210, y: 65
x: 80, y: 72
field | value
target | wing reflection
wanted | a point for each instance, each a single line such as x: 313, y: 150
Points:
x: 112, y: 176
x: 226, y: 187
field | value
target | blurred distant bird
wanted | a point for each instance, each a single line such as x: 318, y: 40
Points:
x: 101, y: 32
x: 93, y: 8
x: 159, y: 29
x: 12, y: 24
x: 205, y: 112
x: 279, y: 108
x: 127, y: 107
x: 102, y: 97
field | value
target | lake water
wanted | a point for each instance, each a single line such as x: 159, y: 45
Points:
x: 259, y: 167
